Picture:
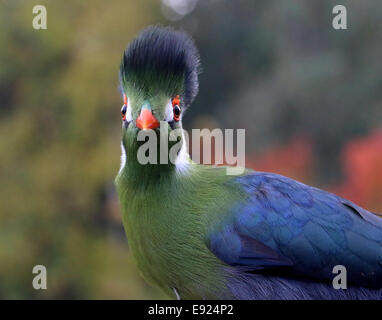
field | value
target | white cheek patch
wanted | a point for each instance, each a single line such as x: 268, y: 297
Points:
x: 169, y: 113
x: 123, y: 158
x: 129, y: 116
x: 182, y: 162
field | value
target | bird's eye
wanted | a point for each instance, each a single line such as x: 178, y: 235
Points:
x: 176, y: 113
x: 176, y: 108
x: 124, y: 107
x: 123, y: 112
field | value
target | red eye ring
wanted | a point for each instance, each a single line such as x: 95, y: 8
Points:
x: 124, y: 107
x: 177, y: 112
x: 176, y: 101
x: 176, y: 108
x: 123, y: 112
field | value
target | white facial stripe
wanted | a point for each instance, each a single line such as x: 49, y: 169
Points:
x: 128, y: 114
x: 123, y: 158
x: 182, y: 162
x: 169, y: 113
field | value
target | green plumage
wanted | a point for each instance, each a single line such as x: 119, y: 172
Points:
x: 199, y: 233
x: 166, y: 219
x: 166, y: 211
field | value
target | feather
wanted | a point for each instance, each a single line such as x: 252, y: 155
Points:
x: 160, y: 57
x: 287, y: 225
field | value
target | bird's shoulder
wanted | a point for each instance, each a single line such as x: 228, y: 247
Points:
x: 281, y: 222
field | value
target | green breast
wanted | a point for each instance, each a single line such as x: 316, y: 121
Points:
x: 166, y: 222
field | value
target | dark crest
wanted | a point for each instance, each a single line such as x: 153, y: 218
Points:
x: 159, y: 57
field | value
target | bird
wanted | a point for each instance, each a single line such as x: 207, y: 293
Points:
x: 197, y: 233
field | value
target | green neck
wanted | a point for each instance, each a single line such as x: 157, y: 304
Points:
x: 166, y: 214
x: 174, y: 160
x: 165, y: 222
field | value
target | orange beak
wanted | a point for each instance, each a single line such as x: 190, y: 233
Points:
x: 146, y: 120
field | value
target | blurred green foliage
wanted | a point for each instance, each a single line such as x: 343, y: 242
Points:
x: 276, y: 68
x: 59, y: 142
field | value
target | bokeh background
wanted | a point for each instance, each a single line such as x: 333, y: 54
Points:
x: 308, y: 96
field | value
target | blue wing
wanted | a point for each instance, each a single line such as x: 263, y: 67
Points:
x: 282, y: 224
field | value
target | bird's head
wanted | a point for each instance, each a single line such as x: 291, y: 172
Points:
x: 159, y: 80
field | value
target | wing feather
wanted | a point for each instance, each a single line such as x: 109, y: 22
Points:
x: 282, y: 223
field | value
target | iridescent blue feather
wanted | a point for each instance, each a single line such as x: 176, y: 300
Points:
x: 286, y: 234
